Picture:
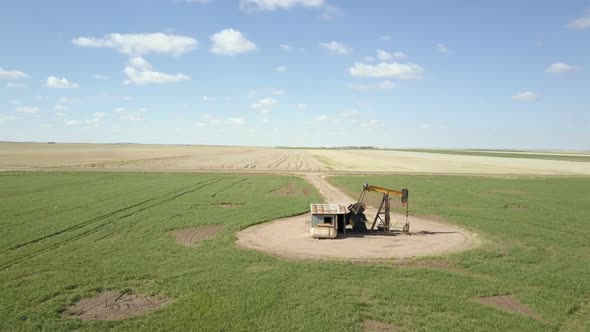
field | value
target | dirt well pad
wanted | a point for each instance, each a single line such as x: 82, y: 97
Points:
x: 110, y: 305
x: 290, y: 237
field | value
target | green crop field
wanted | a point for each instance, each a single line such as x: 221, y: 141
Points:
x: 536, y: 235
x: 69, y: 236
x: 507, y: 154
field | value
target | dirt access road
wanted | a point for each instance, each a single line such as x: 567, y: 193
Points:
x: 290, y: 237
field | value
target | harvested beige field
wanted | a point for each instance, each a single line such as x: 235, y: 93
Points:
x: 154, y: 157
x: 14, y: 156
x: 422, y: 162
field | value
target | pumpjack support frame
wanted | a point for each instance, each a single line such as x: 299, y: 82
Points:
x: 384, y: 212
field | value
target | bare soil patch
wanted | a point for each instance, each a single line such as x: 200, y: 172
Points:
x: 429, y: 264
x: 191, y: 236
x: 508, y: 303
x: 290, y: 238
x: 111, y: 305
x: 376, y: 326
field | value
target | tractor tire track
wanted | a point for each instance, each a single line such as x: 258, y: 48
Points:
x: 83, y: 224
x: 167, y: 198
x: 100, y: 226
x: 162, y: 200
x: 69, y: 210
x: 110, y: 214
x: 231, y: 185
x: 61, y: 185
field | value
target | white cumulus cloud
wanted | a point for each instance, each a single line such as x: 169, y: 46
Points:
x: 263, y: 105
x: 100, y: 77
x: 65, y: 100
x: 129, y: 115
x: 442, y: 48
x: 329, y: 12
x: 349, y: 114
x: 96, y: 120
x: 72, y: 122
x: 60, y: 83
x: 387, y: 69
x: 384, y: 85
x: 286, y: 47
x: 140, y: 63
x: 581, y: 22
x: 301, y: 106
x: 28, y: 109
x: 281, y: 69
x: 559, y: 68
x: 230, y: 42
x: 141, y: 43
x: 235, y: 121
x: 372, y: 124
x: 207, y: 120
x: 528, y: 96
x: 11, y: 74
x: 139, y: 72
x: 386, y: 56
x: 265, y: 91
x: 270, y: 5
x: 335, y: 47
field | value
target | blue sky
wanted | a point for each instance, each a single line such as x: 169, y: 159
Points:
x: 444, y: 74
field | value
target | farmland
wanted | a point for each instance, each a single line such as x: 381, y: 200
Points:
x: 295, y: 165
x: 136, y: 157
x: 581, y: 156
x: 70, y: 236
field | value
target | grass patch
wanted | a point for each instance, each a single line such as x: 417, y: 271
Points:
x: 536, y: 233
x: 71, y: 236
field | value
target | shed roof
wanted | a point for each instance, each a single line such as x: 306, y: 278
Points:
x: 328, y: 209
